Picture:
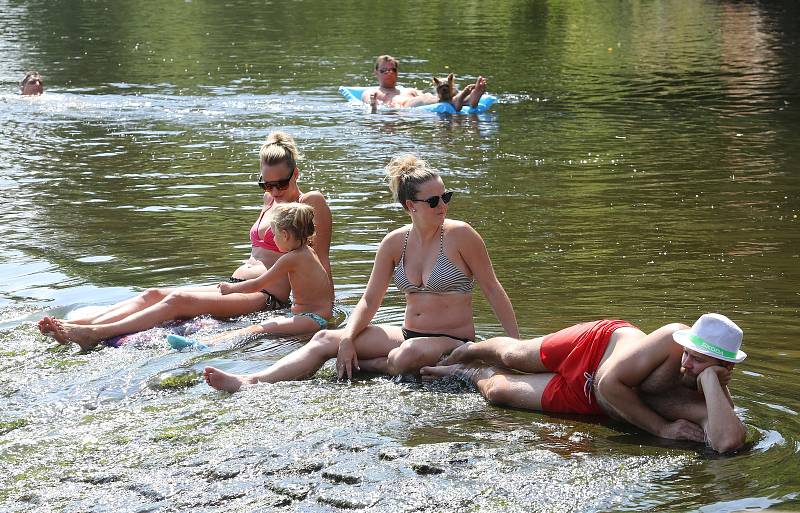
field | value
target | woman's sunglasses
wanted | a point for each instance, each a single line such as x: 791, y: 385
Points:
x: 433, y: 201
x: 281, y: 185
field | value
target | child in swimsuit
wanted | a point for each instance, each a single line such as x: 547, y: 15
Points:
x: 292, y: 225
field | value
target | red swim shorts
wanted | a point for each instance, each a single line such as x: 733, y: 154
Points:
x: 574, y: 354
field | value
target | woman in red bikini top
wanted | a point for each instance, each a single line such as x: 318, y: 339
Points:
x: 278, y: 179
x: 279, y: 172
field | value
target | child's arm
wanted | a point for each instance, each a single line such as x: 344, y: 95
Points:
x: 278, y: 271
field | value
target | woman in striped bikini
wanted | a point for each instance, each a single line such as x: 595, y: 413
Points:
x: 278, y: 161
x: 434, y: 261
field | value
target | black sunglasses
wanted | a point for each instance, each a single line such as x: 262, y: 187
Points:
x: 384, y: 71
x: 281, y: 185
x: 433, y: 201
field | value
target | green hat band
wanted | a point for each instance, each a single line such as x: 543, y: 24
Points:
x: 699, y: 342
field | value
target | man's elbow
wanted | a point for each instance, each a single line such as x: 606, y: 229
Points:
x: 730, y: 441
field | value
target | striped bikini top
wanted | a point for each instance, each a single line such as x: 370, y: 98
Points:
x: 445, y: 277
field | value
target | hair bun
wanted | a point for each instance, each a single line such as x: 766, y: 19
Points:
x: 404, y: 165
x: 278, y: 137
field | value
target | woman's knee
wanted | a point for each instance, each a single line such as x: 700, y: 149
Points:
x: 324, y: 343
x: 409, y: 357
x: 154, y: 295
x: 405, y: 358
x: 180, y: 302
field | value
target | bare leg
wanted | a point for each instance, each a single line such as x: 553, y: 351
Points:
x: 122, y: 309
x: 297, y: 325
x: 374, y: 342
x: 477, y: 92
x: 458, y: 100
x: 415, y: 101
x: 415, y: 353
x: 499, y: 387
x: 178, y: 305
x: 518, y: 355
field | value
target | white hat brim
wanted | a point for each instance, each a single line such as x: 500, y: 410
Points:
x: 682, y: 338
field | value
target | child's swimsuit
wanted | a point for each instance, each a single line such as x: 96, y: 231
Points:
x: 574, y: 354
x: 445, y: 278
x: 323, y: 323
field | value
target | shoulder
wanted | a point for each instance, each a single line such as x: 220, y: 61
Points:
x: 313, y: 198
x: 398, y: 234
x: 460, y: 230
x: 317, y: 201
x: 393, y: 241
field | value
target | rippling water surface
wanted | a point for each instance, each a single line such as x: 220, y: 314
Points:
x: 641, y: 163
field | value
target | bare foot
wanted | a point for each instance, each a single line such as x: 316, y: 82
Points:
x: 440, y: 371
x: 45, y: 326
x: 458, y: 355
x: 477, y: 92
x: 458, y: 370
x: 66, y: 332
x: 223, y: 381
x: 49, y: 327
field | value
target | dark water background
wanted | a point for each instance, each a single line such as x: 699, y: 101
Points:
x: 642, y: 163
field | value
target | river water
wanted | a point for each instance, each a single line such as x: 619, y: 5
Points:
x: 641, y: 163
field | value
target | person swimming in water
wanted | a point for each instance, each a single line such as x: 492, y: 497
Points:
x: 32, y: 84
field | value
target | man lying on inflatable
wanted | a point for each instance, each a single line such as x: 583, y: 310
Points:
x: 390, y: 95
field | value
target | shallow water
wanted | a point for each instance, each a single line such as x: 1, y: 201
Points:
x: 641, y: 163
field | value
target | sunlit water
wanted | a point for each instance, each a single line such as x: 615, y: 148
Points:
x: 641, y: 163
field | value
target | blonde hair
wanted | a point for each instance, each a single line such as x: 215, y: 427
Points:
x: 406, y: 173
x: 295, y: 218
x: 389, y: 59
x: 280, y: 147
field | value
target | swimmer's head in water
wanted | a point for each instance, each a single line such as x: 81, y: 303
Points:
x: 32, y: 84
x: 406, y: 173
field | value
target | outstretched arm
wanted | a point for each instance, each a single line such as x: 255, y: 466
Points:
x: 362, y: 315
x: 277, y: 272
x: 724, y: 431
x: 473, y: 250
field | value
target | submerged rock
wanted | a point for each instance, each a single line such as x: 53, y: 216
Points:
x: 175, y: 378
x: 426, y: 469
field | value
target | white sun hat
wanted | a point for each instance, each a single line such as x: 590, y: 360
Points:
x: 713, y: 335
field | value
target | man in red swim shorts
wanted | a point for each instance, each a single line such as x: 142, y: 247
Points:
x: 671, y: 383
